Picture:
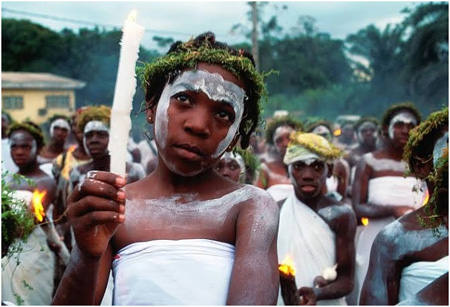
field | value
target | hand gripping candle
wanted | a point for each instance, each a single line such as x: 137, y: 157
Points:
x: 123, y: 94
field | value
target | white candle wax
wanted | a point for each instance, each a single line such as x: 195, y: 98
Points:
x: 123, y: 94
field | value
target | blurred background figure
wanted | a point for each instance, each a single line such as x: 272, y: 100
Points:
x: 7, y: 162
x: 411, y: 253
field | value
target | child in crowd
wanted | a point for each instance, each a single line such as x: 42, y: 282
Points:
x: 184, y: 234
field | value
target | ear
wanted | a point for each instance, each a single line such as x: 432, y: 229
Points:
x: 233, y: 143
x: 150, y: 113
x: 330, y: 169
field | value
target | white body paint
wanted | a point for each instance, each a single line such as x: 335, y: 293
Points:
x: 402, y: 117
x: 216, y: 88
x: 380, y: 165
x: 61, y: 123
x: 94, y: 125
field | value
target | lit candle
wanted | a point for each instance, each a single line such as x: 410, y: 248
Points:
x: 289, y: 290
x: 123, y: 94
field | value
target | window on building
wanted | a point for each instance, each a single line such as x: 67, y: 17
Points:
x: 12, y: 102
x: 57, y: 102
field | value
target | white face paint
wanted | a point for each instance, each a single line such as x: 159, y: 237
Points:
x: 215, y: 87
x: 228, y: 156
x: 61, y: 123
x: 366, y: 125
x: 439, y: 147
x: 402, y: 117
x: 93, y: 125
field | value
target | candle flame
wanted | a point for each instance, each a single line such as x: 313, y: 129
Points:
x: 337, y: 132
x: 132, y: 16
x: 38, y: 208
x: 365, y: 221
x: 287, y: 266
x: 427, y: 197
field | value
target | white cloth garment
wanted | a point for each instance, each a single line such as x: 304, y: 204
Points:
x: 32, y: 279
x: 383, y: 191
x: 280, y: 191
x: 7, y: 161
x: 307, y: 239
x: 420, y: 274
x: 166, y: 272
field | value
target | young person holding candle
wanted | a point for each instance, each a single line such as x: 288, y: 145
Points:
x: 184, y: 234
x: 316, y: 231
x: 27, y: 277
x: 411, y: 253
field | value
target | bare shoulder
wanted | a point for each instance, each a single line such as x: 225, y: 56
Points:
x: 259, y: 203
x: 337, y: 214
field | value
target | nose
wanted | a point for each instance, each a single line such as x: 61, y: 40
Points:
x: 198, y: 124
x: 307, y: 174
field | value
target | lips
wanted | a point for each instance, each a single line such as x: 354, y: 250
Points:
x: 308, y: 188
x: 189, y: 152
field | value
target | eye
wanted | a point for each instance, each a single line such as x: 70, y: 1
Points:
x: 225, y: 116
x: 183, y: 98
x: 318, y: 166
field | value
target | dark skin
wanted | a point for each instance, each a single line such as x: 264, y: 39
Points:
x: 364, y: 172
x: 228, y: 168
x: 309, y: 182
x: 274, y: 172
x: 98, y: 206
x: 396, y: 248
x: 56, y: 146
x: 23, y: 155
x: 367, y: 143
x: 97, y: 145
x: 341, y: 172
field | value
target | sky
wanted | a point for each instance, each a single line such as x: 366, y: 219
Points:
x: 183, y: 19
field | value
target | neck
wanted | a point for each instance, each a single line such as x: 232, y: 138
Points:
x: 56, y: 146
x: 311, y: 202
x: 29, y: 169
x: 365, y: 148
x: 175, y: 183
x: 102, y: 163
x: 395, y: 150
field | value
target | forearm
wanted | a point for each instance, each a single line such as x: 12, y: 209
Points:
x: 373, y: 211
x: 336, y: 289
x: 79, y: 282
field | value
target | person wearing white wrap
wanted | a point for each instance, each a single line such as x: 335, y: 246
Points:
x: 28, y: 275
x: 316, y: 231
x: 380, y: 191
x: 411, y: 254
x: 184, y: 234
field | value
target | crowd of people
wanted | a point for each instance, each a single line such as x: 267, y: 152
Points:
x: 214, y: 202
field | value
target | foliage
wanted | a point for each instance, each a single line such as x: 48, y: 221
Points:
x: 17, y: 220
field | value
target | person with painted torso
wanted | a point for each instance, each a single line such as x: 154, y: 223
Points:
x: 27, y: 277
x: 183, y: 235
x: 316, y: 231
x: 273, y: 176
x: 380, y: 191
x: 411, y: 253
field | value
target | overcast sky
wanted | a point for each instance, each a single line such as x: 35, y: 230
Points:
x: 183, y: 19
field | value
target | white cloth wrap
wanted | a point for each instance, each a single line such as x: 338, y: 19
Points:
x: 307, y: 239
x: 166, y: 272
x: 36, y: 268
x: 420, y: 274
x: 383, y: 191
x: 280, y: 191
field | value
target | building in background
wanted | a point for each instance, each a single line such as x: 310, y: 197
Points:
x: 38, y: 96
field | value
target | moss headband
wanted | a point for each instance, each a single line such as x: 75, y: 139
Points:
x: 309, y: 146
